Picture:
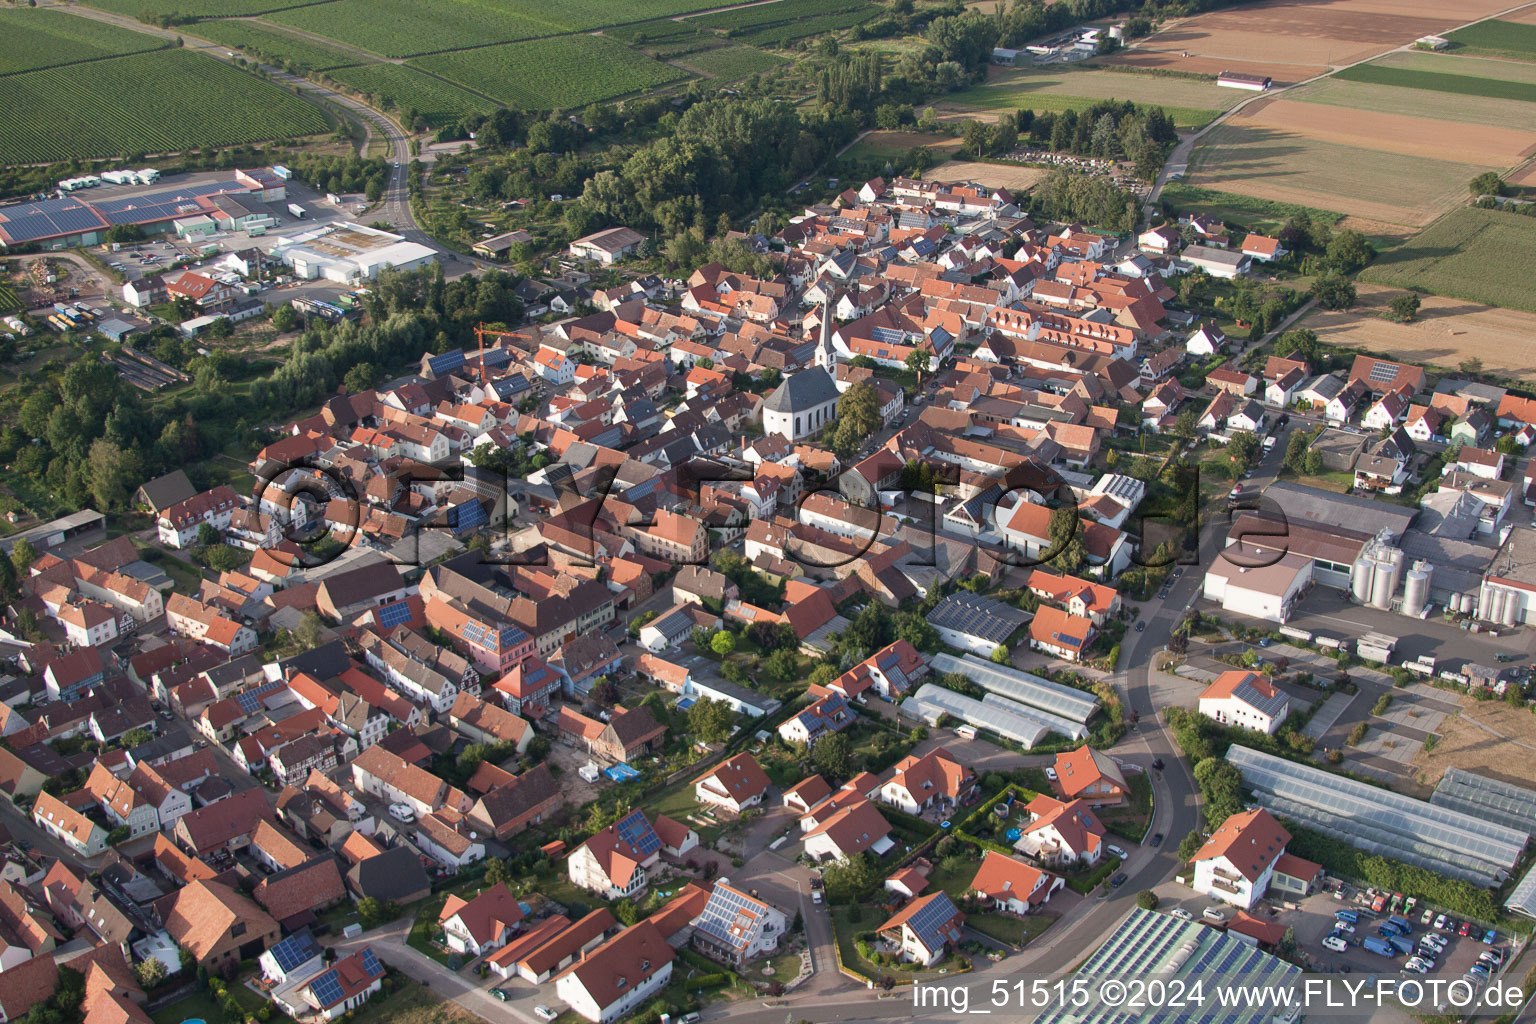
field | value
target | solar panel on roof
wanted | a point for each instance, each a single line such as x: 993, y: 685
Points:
x: 928, y: 921
x: 294, y: 950
x: 392, y: 615
x: 1383, y: 372
x: 370, y: 962
x: 637, y: 832
x: 889, y: 335
x: 327, y: 988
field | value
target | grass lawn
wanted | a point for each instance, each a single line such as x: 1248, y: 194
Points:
x: 1132, y: 820
x: 1016, y: 931
x: 956, y: 882
x: 424, y: 930
x: 678, y: 802
x: 411, y: 1003
x: 202, y: 1006
x: 1328, y: 480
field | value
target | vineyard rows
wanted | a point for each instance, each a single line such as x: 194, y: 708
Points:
x: 729, y: 63
x: 569, y: 71
x: 781, y: 34
x: 438, y: 101
x: 33, y: 38
x: 269, y: 44
x: 168, y: 100
x: 198, y: 8
x: 783, y: 12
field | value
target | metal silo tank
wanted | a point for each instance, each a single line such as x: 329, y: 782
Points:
x: 1383, y: 583
x: 1416, y: 588
x: 1494, y: 612
x: 1360, y: 577
x: 1513, y: 605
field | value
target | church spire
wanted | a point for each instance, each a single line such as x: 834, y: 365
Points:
x: 826, y: 357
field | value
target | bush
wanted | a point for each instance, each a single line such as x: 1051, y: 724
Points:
x: 1358, y: 733
x: 1147, y: 899
x: 1382, y: 703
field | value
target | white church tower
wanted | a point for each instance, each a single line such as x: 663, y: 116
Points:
x: 826, y: 355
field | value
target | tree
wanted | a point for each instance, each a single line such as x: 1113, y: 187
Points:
x: 722, y: 643
x: 1507, y: 445
x: 917, y: 362
x: 1000, y: 654
x: 1296, y: 451
x: 1221, y: 786
x: 310, y: 630
x: 375, y: 912
x: 23, y: 554
x: 136, y: 738
x: 833, y: 756
x: 858, y: 416
x: 1470, y: 366
x: 1348, y: 252
x: 1147, y: 899
x: 849, y: 878
x: 1333, y: 290
x: 782, y: 666
x: 360, y: 377
x: 498, y: 872
x: 1185, y: 424
x: 1313, y: 464
x: 1487, y: 184
x: 285, y: 318
x: 627, y: 913
x: 114, y: 473
x: 1066, y: 541
x: 207, y: 535
x: 976, y: 136
x: 710, y: 720
x: 1403, y: 308
x: 150, y: 972
x: 1300, y: 343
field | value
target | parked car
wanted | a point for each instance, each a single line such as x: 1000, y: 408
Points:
x: 1439, y: 942
x: 1116, y: 851
x: 1335, y: 943
x: 402, y: 812
x: 1140, y: 626
x: 1214, y: 915
x: 1429, y: 915
x: 1465, y: 929
x: 1182, y: 914
x: 1050, y: 773
x: 1490, y: 937
x: 1157, y: 839
x: 816, y: 896
x: 1117, y: 881
x: 500, y: 993
x: 1416, y: 966
x: 1493, y: 956
x: 1343, y: 928
x: 545, y: 1013
x: 1442, y: 923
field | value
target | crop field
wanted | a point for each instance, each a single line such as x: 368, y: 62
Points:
x: 1320, y: 158
x: 729, y: 63
x: 400, y: 28
x: 404, y: 28
x: 1014, y: 177
x: 898, y: 144
x: 1389, y: 99
x: 138, y: 104
x: 1175, y: 60
x: 743, y: 19
x: 569, y: 71
x: 1457, y: 64
x: 195, y: 8
x: 1306, y: 32
x: 1499, y: 38
x: 268, y: 43
x: 438, y: 101
x: 1246, y: 210
x: 1479, y: 255
x: 1192, y: 104
x: 1463, y: 85
x: 1445, y: 332
x: 661, y: 30
x: 44, y: 38
x: 10, y: 302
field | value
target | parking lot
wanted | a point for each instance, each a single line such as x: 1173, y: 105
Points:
x: 1315, y: 920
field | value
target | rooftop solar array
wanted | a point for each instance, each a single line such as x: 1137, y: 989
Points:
x: 164, y: 205
x: 1383, y: 373
x: 371, y: 963
x: 295, y: 950
x: 251, y: 700
x: 327, y: 988
x: 1514, y: 806
x: 26, y: 222
x: 730, y: 917
x: 1058, y: 700
x: 1009, y: 721
x: 637, y: 832
x: 977, y: 616
x: 928, y: 923
x: 1148, y: 942
x: 1380, y: 821
x: 392, y: 615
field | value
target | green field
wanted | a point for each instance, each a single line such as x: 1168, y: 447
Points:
x: 400, y: 28
x: 139, y: 104
x: 787, y: 20
x: 195, y: 8
x: 271, y: 44
x: 43, y: 38
x: 1503, y: 38
x: 1478, y: 255
x: 569, y: 71
x: 801, y: 28
x: 1389, y: 99
x: 661, y: 30
x: 1436, y: 81
x: 438, y: 101
x: 404, y: 28
x: 1191, y: 104
x: 1245, y: 210
x: 729, y: 63
x: 1477, y: 67
x: 9, y: 301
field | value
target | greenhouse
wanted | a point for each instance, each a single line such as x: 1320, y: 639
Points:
x: 999, y: 715
x: 1062, y: 702
x: 1380, y: 821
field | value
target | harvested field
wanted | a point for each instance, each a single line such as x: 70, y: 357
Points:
x: 1014, y: 177
x: 890, y: 143
x: 1331, y: 32
x: 1190, y: 103
x: 1391, y: 133
x: 1479, y: 255
x: 1524, y: 176
x: 1388, y: 99
x: 1270, y: 162
x: 1174, y: 60
x: 1446, y: 332
x: 1489, y: 738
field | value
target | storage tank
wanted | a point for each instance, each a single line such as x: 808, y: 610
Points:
x: 1495, y: 610
x: 1416, y: 588
x: 1360, y: 577
x: 1384, y: 580
x: 1513, y: 600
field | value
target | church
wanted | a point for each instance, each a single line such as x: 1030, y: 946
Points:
x: 806, y: 401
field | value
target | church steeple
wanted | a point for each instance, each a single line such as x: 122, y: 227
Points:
x: 826, y: 356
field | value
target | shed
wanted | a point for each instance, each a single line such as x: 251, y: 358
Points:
x: 115, y: 329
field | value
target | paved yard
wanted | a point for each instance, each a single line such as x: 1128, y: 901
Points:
x: 1327, y: 715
